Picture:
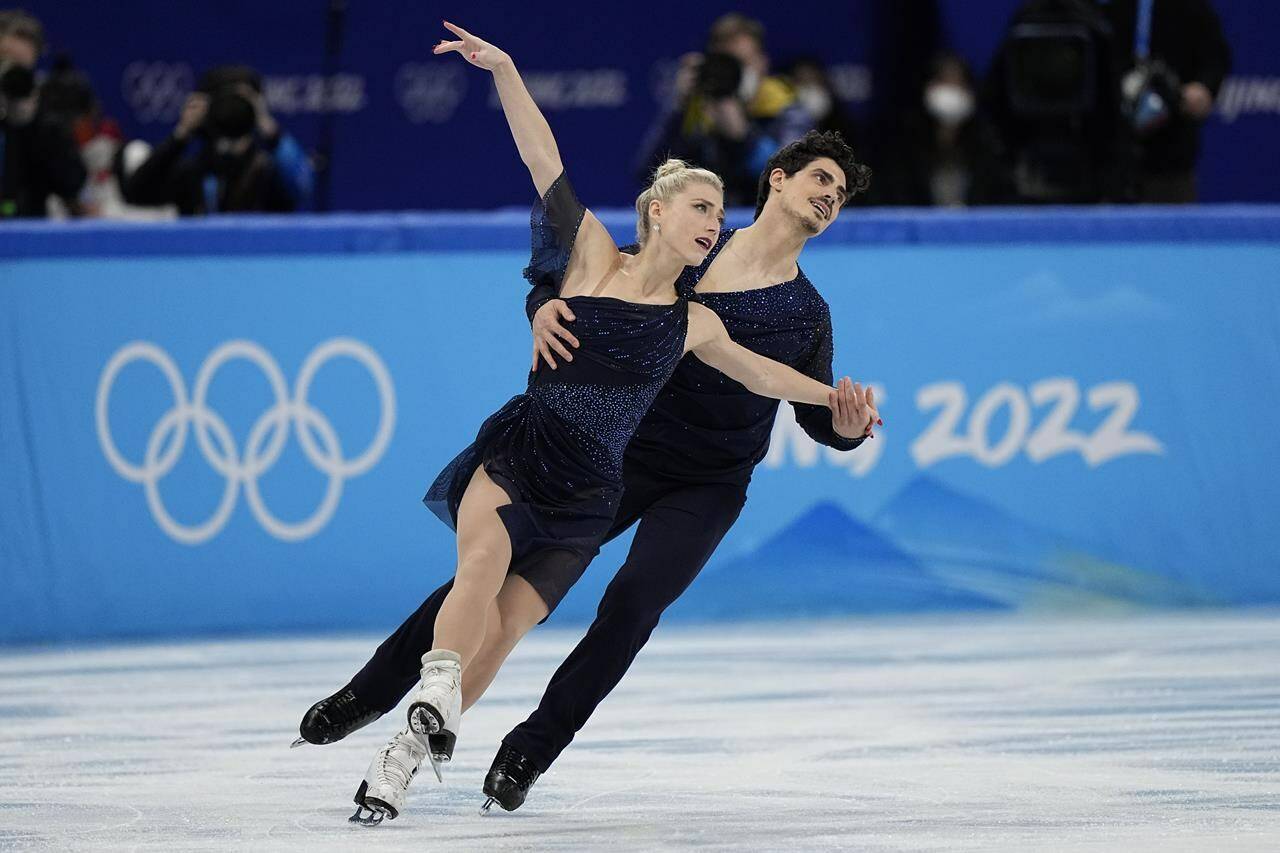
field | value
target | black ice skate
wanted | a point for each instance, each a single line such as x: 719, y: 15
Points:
x: 332, y: 719
x: 509, y: 780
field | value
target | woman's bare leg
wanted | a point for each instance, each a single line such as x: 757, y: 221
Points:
x: 514, y: 613
x: 484, y: 555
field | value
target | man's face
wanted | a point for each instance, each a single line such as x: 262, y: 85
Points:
x: 17, y: 50
x: 814, y: 195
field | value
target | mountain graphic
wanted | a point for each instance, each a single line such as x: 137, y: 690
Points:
x: 975, y: 545
x: 826, y: 562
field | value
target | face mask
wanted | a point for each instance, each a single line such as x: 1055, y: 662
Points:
x: 750, y: 83
x: 815, y: 100
x: 948, y: 103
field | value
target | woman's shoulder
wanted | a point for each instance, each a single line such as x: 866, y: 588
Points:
x: 704, y: 324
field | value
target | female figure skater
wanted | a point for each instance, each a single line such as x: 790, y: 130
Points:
x: 532, y: 498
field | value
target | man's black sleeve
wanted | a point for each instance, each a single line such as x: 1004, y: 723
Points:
x: 816, y: 420
x: 539, y: 295
x: 1213, y: 54
x: 155, y: 182
x: 62, y: 163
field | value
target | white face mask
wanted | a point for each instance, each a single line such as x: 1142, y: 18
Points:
x: 815, y: 100
x: 750, y: 83
x: 948, y: 103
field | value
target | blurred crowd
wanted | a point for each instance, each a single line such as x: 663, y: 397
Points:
x: 1085, y: 101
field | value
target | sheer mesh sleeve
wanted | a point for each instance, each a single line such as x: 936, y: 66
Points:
x: 554, y: 224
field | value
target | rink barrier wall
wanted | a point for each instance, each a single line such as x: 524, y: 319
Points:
x: 225, y: 425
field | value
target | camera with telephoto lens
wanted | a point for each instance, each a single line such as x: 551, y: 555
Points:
x: 1150, y: 96
x: 719, y: 76
x: 231, y: 115
x: 16, y: 81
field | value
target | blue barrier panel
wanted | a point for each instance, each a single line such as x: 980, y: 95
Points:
x: 1078, y: 415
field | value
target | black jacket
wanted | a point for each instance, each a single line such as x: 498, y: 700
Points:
x: 40, y: 159
x: 196, y: 185
x: 1187, y: 36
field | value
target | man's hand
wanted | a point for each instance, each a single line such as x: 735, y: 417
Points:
x: 853, y: 410
x: 730, y: 117
x: 687, y: 76
x: 550, y: 335
x: 267, y: 125
x: 193, y: 113
x: 1197, y: 101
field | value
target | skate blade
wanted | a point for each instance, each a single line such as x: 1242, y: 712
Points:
x: 436, y: 764
x: 299, y: 742
x: 373, y: 818
x: 424, y: 720
x: 484, y: 810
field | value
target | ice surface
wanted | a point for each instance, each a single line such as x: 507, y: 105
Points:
x: 1146, y: 733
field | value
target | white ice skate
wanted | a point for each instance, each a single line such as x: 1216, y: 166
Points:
x: 436, y: 709
x: 386, y: 782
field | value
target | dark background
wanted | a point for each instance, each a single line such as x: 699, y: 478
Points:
x: 409, y: 130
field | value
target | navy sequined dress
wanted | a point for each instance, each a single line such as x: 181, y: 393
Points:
x: 557, y: 448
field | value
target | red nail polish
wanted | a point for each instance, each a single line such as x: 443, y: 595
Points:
x: 473, y: 56
x: 879, y: 422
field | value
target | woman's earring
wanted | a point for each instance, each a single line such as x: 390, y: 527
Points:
x: 657, y: 227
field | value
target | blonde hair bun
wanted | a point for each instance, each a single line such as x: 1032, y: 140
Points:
x: 670, y: 168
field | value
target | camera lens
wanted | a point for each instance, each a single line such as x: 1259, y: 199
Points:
x: 17, y: 82
x: 720, y: 76
x: 230, y: 115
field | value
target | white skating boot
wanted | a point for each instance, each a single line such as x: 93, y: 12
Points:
x: 386, y: 782
x: 436, y: 710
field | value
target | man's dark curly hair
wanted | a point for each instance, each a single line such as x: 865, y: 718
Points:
x: 794, y: 157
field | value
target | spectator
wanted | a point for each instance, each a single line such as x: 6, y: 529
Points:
x: 38, y: 158
x: 813, y: 91
x: 1053, y: 97
x: 67, y: 98
x: 728, y: 115
x: 941, y: 154
x: 1170, y: 89
x: 243, y: 162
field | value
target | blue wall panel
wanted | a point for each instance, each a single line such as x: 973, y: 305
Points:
x: 1072, y: 421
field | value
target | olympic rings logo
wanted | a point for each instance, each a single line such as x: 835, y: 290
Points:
x: 156, y: 90
x: 430, y: 93
x: 266, y: 438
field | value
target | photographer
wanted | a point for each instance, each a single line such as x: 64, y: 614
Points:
x: 243, y: 163
x: 1179, y: 60
x: 1053, y: 99
x: 38, y: 157
x: 728, y: 114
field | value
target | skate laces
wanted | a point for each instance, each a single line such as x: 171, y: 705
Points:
x: 345, y: 708
x: 437, y: 671
x: 514, y: 766
x: 390, y: 766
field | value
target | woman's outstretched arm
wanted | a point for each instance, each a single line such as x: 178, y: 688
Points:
x: 708, y: 340
x: 534, y: 140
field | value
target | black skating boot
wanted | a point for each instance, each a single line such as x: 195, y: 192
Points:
x: 332, y: 719
x: 509, y: 780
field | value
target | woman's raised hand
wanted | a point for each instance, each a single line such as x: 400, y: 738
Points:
x: 477, y: 51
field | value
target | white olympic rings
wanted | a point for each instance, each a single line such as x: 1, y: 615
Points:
x: 266, y: 439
